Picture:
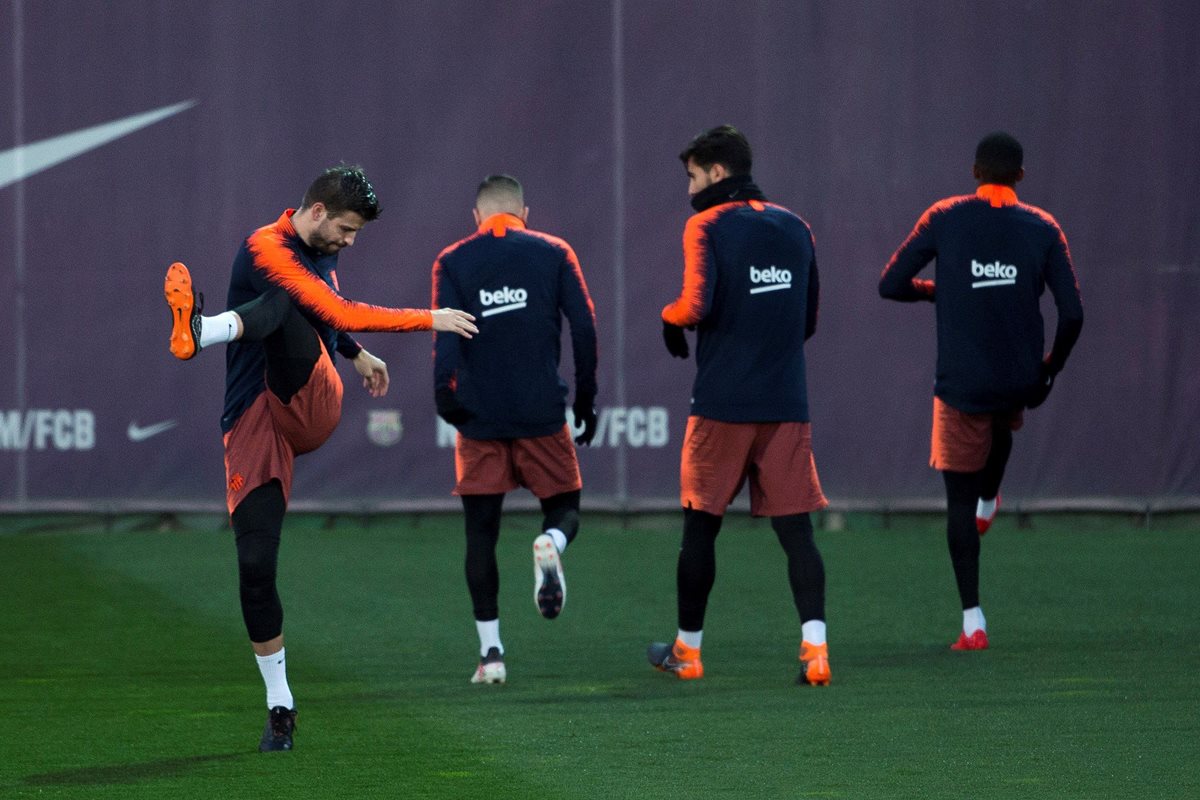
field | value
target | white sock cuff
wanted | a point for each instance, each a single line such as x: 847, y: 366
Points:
x: 489, y: 636
x: 274, y: 658
x: 218, y: 329
x: 560, y: 538
x: 813, y: 631
x: 690, y: 638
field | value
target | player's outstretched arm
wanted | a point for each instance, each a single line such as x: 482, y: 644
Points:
x: 451, y: 320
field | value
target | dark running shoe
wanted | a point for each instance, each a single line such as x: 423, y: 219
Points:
x: 186, y: 305
x: 281, y: 723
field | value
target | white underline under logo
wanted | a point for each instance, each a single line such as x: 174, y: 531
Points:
x: 501, y: 309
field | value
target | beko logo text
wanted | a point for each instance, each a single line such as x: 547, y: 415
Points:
x: 773, y: 276
x: 44, y: 428
x: 511, y: 298
x: 997, y: 274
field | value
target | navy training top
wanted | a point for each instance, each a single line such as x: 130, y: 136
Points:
x: 518, y: 283
x: 995, y: 257
x: 750, y: 288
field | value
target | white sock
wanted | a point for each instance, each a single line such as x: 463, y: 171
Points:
x: 690, y: 638
x: 973, y: 620
x: 274, y: 672
x: 813, y: 631
x: 489, y: 636
x: 560, y: 538
x: 985, y: 508
x: 221, y: 329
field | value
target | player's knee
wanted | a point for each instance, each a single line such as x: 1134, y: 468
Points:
x: 256, y: 568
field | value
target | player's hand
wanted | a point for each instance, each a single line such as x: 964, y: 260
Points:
x: 374, y: 373
x: 675, y: 341
x: 451, y: 320
x: 448, y: 407
x: 585, y: 417
x: 1041, y: 390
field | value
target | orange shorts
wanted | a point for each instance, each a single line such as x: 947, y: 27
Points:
x: 264, y: 442
x: 777, y: 458
x: 545, y: 465
x: 961, y: 442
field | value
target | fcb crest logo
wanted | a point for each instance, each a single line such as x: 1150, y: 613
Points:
x: 384, y: 427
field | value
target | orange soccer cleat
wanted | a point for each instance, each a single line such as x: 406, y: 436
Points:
x: 814, y: 662
x: 186, y: 306
x: 678, y: 658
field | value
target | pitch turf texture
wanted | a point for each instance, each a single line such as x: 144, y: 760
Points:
x: 124, y: 671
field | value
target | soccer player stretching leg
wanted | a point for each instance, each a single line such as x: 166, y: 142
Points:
x: 995, y: 256
x: 283, y: 396
x: 750, y: 290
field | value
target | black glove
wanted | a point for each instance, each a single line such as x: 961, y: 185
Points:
x: 585, y: 417
x: 448, y: 407
x: 675, y: 340
x: 1041, y: 390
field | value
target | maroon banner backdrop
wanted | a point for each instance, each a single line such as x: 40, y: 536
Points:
x: 134, y: 133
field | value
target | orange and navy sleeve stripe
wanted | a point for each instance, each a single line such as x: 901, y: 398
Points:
x: 694, y: 301
x: 445, y: 345
x: 899, y: 280
x: 279, y: 265
x: 577, y: 305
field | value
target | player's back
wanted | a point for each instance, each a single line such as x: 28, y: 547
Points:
x: 517, y: 285
x: 750, y: 345
x: 992, y: 263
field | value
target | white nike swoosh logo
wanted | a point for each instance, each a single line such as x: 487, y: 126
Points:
x: 18, y: 163
x: 139, y: 434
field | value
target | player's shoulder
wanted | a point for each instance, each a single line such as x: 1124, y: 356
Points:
x: 953, y: 203
x: 785, y: 214
x: 545, y: 238
x: 459, y: 247
x: 1039, y: 215
x: 557, y: 244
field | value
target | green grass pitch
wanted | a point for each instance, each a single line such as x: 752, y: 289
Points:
x: 124, y: 670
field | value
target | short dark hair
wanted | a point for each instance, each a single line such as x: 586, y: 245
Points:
x: 999, y: 157
x: 344, y: 188
x: 723, y: 145
x: 494, y: 185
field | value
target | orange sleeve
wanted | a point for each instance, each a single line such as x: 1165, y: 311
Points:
x: 693, y: 302
x: 280, y: 266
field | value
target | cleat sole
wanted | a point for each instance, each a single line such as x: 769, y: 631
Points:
x: 177, y: 288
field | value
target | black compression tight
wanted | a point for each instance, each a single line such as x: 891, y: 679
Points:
x: 993, y: 470
x: 806, y: 569
x: 257, y: 525
x: 962, y: 492
x: 562, y: 511
x: 697, y: 569
x: 482, y: 513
